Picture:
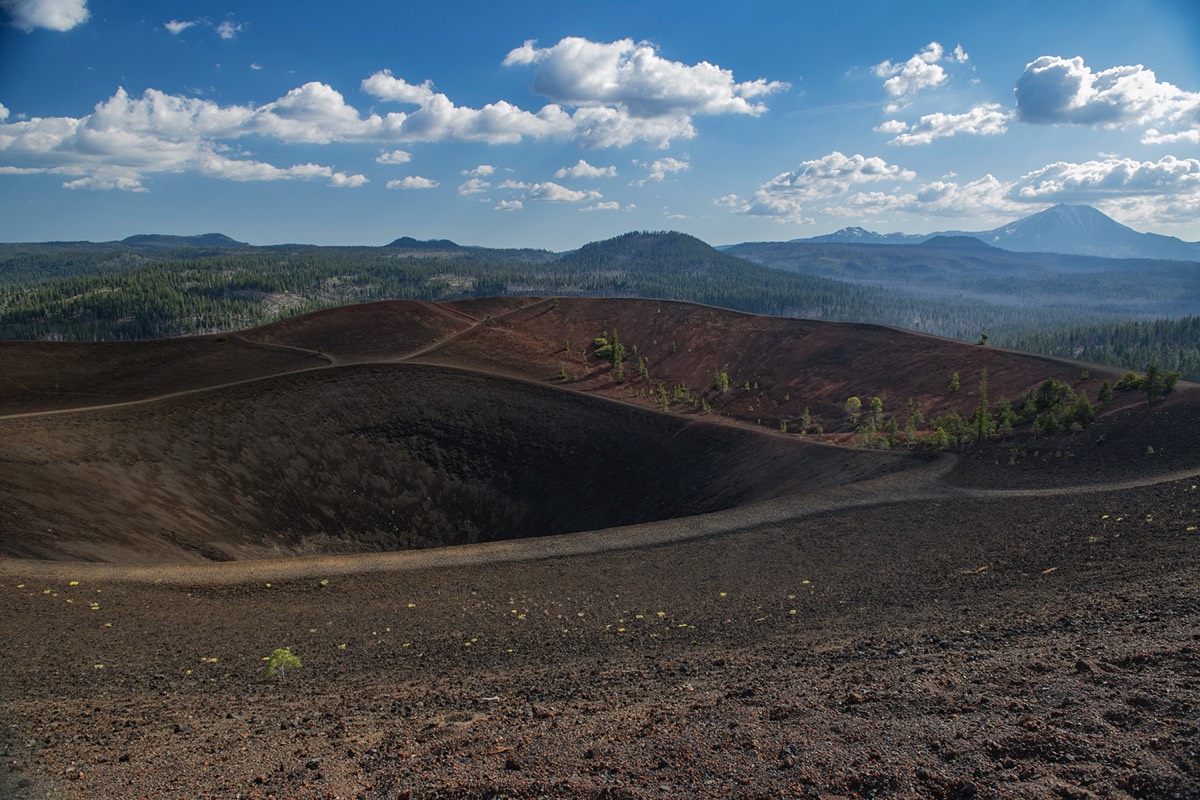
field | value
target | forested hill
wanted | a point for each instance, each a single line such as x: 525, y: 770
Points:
x: 82, y: 291
x: 662, y: 252
x: 158, y: 240
x: 675, y: 266
x: 1172, y: 344
x: 409, y: 243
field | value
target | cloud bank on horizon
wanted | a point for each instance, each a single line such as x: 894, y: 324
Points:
x: 626, y: 101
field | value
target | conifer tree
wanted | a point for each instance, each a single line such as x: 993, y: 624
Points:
x: 853, y: 409
x: 983, y: 422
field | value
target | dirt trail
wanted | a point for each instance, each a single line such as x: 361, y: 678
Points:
x: 454, y: 336
x: 160, y: 398
x: 274, y: 345
x: 333, y: 361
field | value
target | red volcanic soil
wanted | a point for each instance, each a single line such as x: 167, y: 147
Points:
x: 777, y: 367
x: 708, y: 607
x: 367, y: 332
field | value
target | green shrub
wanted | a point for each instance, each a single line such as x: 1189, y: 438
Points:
x: 1131, y: 382
x: 1054, y: 408
x: 280, y: 661
x: 1158, y: 383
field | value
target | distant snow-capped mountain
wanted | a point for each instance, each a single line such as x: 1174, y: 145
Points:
x: 858, y: 235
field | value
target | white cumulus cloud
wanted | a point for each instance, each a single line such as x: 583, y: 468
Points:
x: 439, y: 119
x: 393, y: 157
x: 922, y: 71
x: 125, y: 183
x: 481, y: 171
x: 1153, y: 136
x: 473, y: 186
x: 341, y: 179
x: 55, y: 15
x: 583, y: 169
x: 177, y: 27
x: 985, y: 197
x: 126, y: 138
x: 557, y: 193
x: 1092, y: 181
x: 386, y: 86
x: 1153, y: 211
x: 413, y: 182
x: 604, y: 94
x: 508, y: 205
x: 631, y: 75
x: 318, y: 113
x: 1166, y: 190
x: 660, y: 168
x: 794, y: 196
x: 984, y: 120
x: 1136, y: 192
x: 606, y: 206
x: 1065, y: 90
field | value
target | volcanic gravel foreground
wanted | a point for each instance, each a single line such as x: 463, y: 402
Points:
x: 509, y: 575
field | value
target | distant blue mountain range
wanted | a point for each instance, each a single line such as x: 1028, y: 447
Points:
x: 1077, y: 230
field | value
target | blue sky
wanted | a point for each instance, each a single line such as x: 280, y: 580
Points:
x: 553, y: 124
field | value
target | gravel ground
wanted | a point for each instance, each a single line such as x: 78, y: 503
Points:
x: 1033, y: 647
x: 1021, y: 621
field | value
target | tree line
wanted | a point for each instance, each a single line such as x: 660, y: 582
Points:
x: 85, y: 292
x: 1171, y: 344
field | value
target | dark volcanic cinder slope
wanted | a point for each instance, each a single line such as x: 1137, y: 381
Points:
x: 332, y: 457
x: 382, y: 457
x: 1011, y: 630
x: 42, y: 376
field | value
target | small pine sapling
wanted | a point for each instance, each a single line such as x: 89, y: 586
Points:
x: 279, y: 662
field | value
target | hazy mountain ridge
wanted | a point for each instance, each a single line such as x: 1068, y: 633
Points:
x: 859, y: 235
x: 1063, y: 229
x: 1068, y: 229
x: 953, y: 287
x: 959, y: 271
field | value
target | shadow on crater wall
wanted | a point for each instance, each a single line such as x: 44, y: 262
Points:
x: 378, y: 458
